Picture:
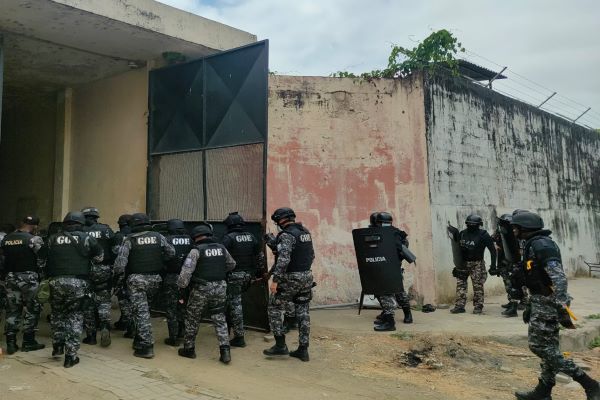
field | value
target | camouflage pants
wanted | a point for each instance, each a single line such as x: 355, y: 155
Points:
x: 211, y: 296
x: 22, y: 303
x: 66, y: 297
x: 2, y: 298
x: 388, y: 304
x: 544, y: 341
x: 295, y: 287
x: 478, y: 274
x: 143, y: 288
x: 290, y: 310
x: 174, y: 309
x: 237, y: 283
x: 99, y: 308
x: 505, y: 275
x: 124, y: 298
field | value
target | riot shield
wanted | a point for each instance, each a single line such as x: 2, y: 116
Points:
x: 510, y: 244
x: 453, y: 234
x: 377, y: 259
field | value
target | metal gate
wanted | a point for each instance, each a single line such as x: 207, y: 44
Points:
x: 207, y: 138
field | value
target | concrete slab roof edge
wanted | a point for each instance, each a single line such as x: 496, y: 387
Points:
x: 167, y: 20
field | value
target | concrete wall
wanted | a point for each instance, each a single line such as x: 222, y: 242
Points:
x: 339, y: 150
x: 27, y: 155
x: 490, y: 154
x: 109, y: 145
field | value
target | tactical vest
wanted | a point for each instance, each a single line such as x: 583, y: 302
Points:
x: 242, y: 247
x: 19, y: 257
x: 105, y: 237
x: 471, y: 244
x: 182, y: 245
x: 145, y: 255
x: 66, y: 257
x: 539, y: 250
x: 211, y: 263
x: 303, y: 252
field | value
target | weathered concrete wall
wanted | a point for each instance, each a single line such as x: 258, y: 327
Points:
x: 490, y: 154
x: 27, y: 156
x: 109, y: 145
x: 339, y: 150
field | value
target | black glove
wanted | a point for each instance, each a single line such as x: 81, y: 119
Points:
x: 494, y: 271
x: 527, y: 314
x: 564, y: 318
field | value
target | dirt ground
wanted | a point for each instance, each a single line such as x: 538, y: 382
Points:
x: 407, y: 365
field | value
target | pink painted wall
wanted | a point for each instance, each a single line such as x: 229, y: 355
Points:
x: 340, y: 149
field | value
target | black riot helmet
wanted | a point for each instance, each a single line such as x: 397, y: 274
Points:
x: 139, y: 219
x: 474, y: 220
x: 283, y: 213
x: 90, y: 212
x: 74, y: 218
x: 505, y: 217
x: 175, y: 226
x: 373, y: 219
x: 124, y: 220
x: 518, y: 211
x: 204, y: 229
x: 233, y: 220
x: 384, y: 219
x: 528, y: 221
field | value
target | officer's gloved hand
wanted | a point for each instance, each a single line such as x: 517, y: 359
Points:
x: 527, y: 313
x: 494, y: 270
x: 564, y: 318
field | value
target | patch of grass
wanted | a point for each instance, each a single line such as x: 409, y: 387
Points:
x: 593, y: 316
x: 402, y: 335
x: 595, y: 343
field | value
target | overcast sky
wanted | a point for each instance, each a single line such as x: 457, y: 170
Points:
x: 553, y: 43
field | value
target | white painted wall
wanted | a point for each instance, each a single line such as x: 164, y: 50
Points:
x: 490, y: 154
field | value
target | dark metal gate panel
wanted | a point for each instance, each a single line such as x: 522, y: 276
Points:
x: 234, y: 182
x: 1, y: 79
x: 178, y: 185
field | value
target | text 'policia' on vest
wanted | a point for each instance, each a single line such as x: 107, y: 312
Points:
x: 18, y: 255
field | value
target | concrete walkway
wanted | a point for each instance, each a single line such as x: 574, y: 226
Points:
x: 491, y: 324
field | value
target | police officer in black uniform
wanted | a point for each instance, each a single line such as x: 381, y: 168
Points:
x: 182, y: 242
x: 249, y: 261
x: 121, y: 291
x: 473, y: 242
x: 292, y: 281
x: 70, y: 254
x: 141, y: 258
x: 101, y: 280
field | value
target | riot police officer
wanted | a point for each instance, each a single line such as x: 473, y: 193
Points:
x: 68, y: 266
x: 182, y: 242
x: 549, y: 302
x: 205, y: 271
x: 249, y: 260
x: 385, y: 321
x: 20, y: 250
x: 100, y: 279
x: 473, y: 242
x: 121, y: 291
x: 141, y: 258
x: 292, y: 281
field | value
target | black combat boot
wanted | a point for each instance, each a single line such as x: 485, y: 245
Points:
x: 279, y: 349
x: 130, y: 331
x: 478, y: 310
x: 11, y: 344
x: 180, y: 330
x: 378, y: 319
x: 58, y: 350
x: 70, y: 361
x: 105, y: 334
x: 511, y: 311
x: 29, y: 342
x: 225, y: 354
x: 90, y: 338
x: 172, y: 339
x: 388, y: 324
x: 506, y: 305
x: 136, y: 345
x: 522, y: 305
x: 407, y: 315
x: 188, y: 353
x: 457, y: 310
x: 591, y: 386
x: 237, y: 341
x: 541, y: 392
x: 301, y: 353
x: 144, y: 352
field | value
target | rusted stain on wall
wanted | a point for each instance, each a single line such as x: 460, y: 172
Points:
x: 490, y: 154
x: 339, y: 150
